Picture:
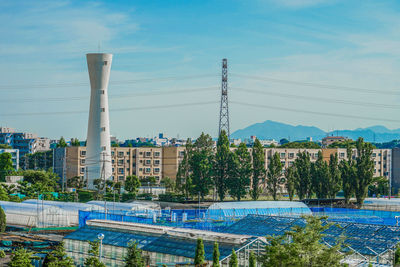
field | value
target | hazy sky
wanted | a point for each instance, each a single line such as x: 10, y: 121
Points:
x: 167, y: 57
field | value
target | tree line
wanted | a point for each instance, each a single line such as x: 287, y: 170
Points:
x: 242, y: 171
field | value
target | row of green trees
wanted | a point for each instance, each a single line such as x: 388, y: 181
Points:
x: 325, y: 180
x: 203, y: 169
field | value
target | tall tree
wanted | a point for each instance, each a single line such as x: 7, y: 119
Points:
x: 199, y: 257
x: 365, y: 169
x: 93, y: 259
x: 61, y: 142
x: 302, y: 246
x: 258, y: 168
x: 201, y: 165
x: 75, y: 142
x: 320, y: 176
x: 133, y: 257
x: 132, y: 184
x: 274, y: 172
x: 215, y: 255
x: 3, y: 220
x: 184, y: 176
x: 221, y: 165
x: 21, y: 258
x: 233, y: 261
x: 58, y: 258
x: 6, y: 165
x: 348, y: 175
x: 335, y: 182
x: 252, y: 259
x: 239, y: 172
x: 303, y: 175
x: 290, y: 181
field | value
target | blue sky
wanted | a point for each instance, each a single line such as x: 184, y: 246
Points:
x: 352, y: 44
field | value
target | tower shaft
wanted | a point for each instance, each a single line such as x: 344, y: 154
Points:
x: 224, y: 111
x: 98, y: 147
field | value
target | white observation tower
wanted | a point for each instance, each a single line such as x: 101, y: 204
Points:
x: 98, y: 147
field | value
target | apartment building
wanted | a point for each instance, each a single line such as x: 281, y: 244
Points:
x: 382, y: 159
x: 326, y: 141
x: 26, y: 143
x: 140, y: 161
x: 172, y: 157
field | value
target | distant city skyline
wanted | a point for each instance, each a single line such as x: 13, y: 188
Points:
x: 166, y: 70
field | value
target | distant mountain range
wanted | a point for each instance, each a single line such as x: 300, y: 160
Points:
x: 277, y: 130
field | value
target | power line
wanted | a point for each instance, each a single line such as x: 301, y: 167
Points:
x: 317, y: 85
x: 314, y: 112
x: 117, y: 110
x: 116, y: 96
x: 319, y: 99
x: 67, y: 84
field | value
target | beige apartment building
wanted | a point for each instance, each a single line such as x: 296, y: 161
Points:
x: 140, y: 161
x: 172, y: 157
x: 164, y: 161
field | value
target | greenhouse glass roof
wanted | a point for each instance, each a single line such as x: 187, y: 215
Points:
x: 366, y: 239
x: 164, y: 243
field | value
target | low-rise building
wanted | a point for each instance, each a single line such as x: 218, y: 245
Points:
x: 326, y: 141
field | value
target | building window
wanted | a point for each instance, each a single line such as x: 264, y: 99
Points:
x: 148, y: 170
x: 148, y: 162
x: 112, y: 169
x: 120, y: 178
x: 82, y: 161
x: 102, y: 92
x: 83, y: 153
x: 105, y: 63
x: 103, y: 110
x: 103, y: 129
x: 103, y: 148
x: 283, y: 155
x: 341, y: 155
x: 82, y: 170
x: 156, y: 154
x: 181, y: 154
x: 140, y: 169
x: 373, y: 155
x: 120, y: 162
x: 120, y: 170
x: 120, y: 153
x: 156, y: 170
x: 157, y: 162
x: 148, y: 154
x: 291, y: 155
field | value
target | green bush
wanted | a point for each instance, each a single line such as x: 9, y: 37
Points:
x: 2, y: 254
x: 128, y: 196
x: 171, y: 197
x: 85, y: 195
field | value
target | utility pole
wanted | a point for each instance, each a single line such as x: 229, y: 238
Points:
x: 224, y: 111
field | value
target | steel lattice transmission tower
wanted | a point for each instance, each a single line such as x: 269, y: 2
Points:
x: 224, y: 111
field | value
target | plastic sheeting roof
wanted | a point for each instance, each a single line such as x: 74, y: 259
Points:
x: 27, y: 208
x: 243, y: 208
x: 69, y: 206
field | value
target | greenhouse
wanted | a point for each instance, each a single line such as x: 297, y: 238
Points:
x: 70, y: 208
x: 33, y: 215
x: 160, y: 245
x: 232, y: 210
x: 133, y: 206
